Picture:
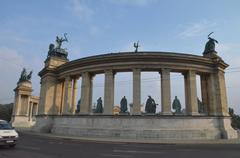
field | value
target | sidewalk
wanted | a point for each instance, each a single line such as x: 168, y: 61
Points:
x: 145, y: 141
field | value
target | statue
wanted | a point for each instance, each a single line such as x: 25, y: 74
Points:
x: 123, y: 104
x: 99, y: 108
x: 176, y: 105
x: 210, y: 45
x: 29, y: 76
x: 59, y: 41
x: 200, y: 106
x: 51, y: 49
x: 78, y: 106
x: 136, y: 45
x: 58, y: 51
x: 150, y: 105
x: 24, y: 76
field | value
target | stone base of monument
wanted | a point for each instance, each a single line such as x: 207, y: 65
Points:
x: 22, y: 122
x: 138, y: 127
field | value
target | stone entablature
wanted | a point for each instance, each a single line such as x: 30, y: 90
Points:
x: 146, y: 61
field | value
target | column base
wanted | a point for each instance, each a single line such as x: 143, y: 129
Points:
x: 166, y: 113
x: 137, y: 113
x: 193, y: 113
x: 84, y: 113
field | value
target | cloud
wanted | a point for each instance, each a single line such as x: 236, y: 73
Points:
x: 80, y: 9
x: 94, y: 30
x: 197, y: 29
x: 132, y: 2
x: 10, y: 59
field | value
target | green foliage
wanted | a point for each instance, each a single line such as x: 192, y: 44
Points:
x: 235, y: 119
x: 6, y: 111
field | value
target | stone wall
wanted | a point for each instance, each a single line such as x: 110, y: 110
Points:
x: 139, y: 127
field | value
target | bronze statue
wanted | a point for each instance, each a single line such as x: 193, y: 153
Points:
x: 210, y: 45
x: 78, y: 106
x: 59, y: 41
x: 24, y: 76
x: 123, y: 104
x: 136, y: 45
x: 58, y: 51
x: 200, y: 106
x: 99, y: 108
x: 176, y: 105
x: 150, y: 105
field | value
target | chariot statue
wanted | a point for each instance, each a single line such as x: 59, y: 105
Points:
x: 60, y: 40
x: 24, y: 76
x: 57, y: 50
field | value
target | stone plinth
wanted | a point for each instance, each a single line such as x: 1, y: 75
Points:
x: 21, y: 109
x: 138, y: 127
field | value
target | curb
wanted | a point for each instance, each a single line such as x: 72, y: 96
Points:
x: 141, y: 141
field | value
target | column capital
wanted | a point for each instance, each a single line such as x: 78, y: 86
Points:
x: 164, y: 70
x: 189, y: 72
x: 109, y: 72
x: 67, y: 78
x: 136, y: 69
x: 86, y: 73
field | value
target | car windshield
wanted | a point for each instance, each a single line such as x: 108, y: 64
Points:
x: 5, y: 125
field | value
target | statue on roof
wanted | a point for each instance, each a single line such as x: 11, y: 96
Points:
x: 24, y: 76
x: 210, y: 45
x: 60, y: 40
x: 136, y: 46
x: 57, y: 50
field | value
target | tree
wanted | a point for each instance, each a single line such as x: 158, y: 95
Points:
x: 6, y: 111
x: 235, y: 119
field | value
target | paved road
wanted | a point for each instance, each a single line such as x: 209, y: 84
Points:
x: 33, y: 146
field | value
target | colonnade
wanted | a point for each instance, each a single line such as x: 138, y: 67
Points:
x: 212, y: 87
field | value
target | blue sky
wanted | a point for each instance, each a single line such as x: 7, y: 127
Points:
x: 27, y: 27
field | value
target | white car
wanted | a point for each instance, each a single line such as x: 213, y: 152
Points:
x: 8, y: 135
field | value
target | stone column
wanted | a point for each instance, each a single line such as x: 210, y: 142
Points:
x: 28, y: 106
x: 86, y: 93
x: 212, y: 95
x: 221, y: 95
x: 67, y: 95
x: 136, y: 91
x: 18, y: 105
x: 191, y: 92
x: 74, y: 94
x: 166, y: 92
x: 30, y: 111
x: 204, y: 90
x: 108, y: 92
